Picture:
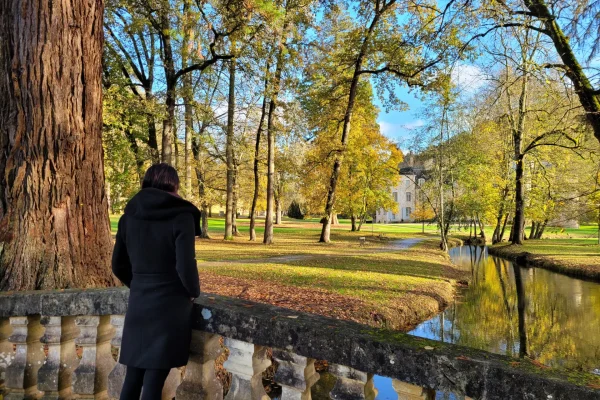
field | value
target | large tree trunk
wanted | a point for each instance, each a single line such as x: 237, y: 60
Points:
x: 519, y: 224
x: 519, y: 221
x: 201, y: 187
x: 268, y: 235
x: 353, y: 223
x: 152, y: 139
x: 361, y: 222
x: 169, y: 69
x: 278, y: 211
x: 534, y: 226
x: 337, y: 164
x: 234, y: 208
x: 481, y: 229
x: 501, y: 236
x: 496, y: 235
x: 256, y: 164
x: 540, y: 229
x: 135, y: 149
x: 229, y: 153
x: 188, y: 96
x: 54, y: 213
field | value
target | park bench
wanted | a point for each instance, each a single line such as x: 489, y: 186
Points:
x: 362, y: 241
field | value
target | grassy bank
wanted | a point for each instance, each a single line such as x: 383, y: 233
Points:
x: 376, y: 283
x: 578, y: 257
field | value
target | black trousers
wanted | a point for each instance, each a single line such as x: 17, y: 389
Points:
x: 152, y: 380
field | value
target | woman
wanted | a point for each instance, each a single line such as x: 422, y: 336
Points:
x: 154, y: 256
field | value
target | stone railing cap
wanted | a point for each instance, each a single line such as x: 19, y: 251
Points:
x: 423, y: 362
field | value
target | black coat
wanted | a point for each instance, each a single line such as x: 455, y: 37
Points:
x: 155, y: 257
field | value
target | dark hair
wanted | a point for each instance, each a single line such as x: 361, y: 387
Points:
x: 161, y: 176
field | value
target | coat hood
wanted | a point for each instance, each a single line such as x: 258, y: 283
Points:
x: 157, y: 205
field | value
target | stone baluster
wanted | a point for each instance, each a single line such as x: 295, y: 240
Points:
x: 246, y: 362
x: 91, y: 375
x: 21, y: 374
x: 54, y: 376
x: 407, y: 391
x: 6, y: 349
x: 116, y: 377
x: 296, y: 375
x: 171, y: 384
x: 200, y: 381
x: 351, y: 384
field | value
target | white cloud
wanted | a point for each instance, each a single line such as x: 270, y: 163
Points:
x: 414, y: 124
x: 399, y: 130
x: 468, y: 78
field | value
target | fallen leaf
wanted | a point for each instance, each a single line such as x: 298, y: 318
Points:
x: 463, y: 358
x: 539, y: 364
x: 594, y: 385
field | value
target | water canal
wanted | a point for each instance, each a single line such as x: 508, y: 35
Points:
x: 510, y: 310
x: 513, y: 310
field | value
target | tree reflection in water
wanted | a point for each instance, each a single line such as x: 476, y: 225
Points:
x: 556, y: 318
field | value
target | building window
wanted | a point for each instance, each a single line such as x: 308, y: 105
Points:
x: 408, y: 196
x: 396, y: 197
x: 408, y: 211
x: 421, y: 181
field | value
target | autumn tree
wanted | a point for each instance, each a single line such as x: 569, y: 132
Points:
x: 381, y: 47
x: 569, y: 25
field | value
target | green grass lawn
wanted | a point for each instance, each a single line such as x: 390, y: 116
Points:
x: 578, y: 255
x: 375, y: 284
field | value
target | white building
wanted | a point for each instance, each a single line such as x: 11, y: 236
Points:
x: 405, y: 194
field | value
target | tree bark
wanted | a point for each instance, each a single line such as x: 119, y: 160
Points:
x: 263, y: 113
x: 517, y: 237
x: 234, y: 208
x: 497, y: 229
x: 205, y: 209
x: 278, y: 211
x: 268, y: 234
x: 171, y: 82
x: 152, y: 139
x: 501, y: 236
x: 534, y: 226
x: 187, y: 95
x: 517, y: 233
x: 337, y: 164
x: 540, y: 229
x: 481, y: 229
x: 588, y: 95
x: 229, y: 153
x: 53, y: 206
x: 353, y: 222
x: 361, y: 222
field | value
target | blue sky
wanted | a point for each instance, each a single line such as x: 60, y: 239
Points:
x: 400, y: 125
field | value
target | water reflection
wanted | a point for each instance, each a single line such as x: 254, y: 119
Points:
x: 550, y: 317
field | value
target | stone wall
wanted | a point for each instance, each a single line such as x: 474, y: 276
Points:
x: 60, y: 322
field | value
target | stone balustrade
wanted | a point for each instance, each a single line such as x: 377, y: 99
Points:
x: 64, y: 345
